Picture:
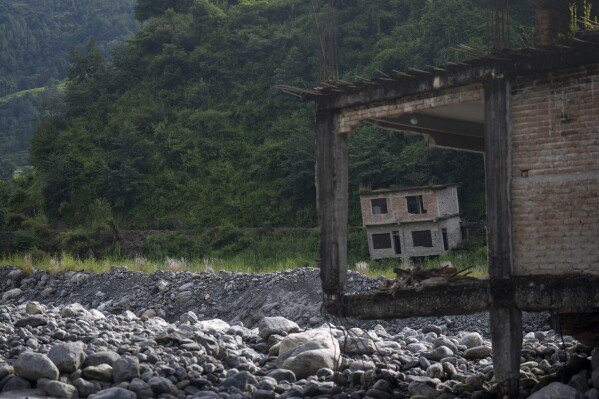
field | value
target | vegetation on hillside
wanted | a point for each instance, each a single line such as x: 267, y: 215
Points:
x: 183, y: 127
x: 35, y: 39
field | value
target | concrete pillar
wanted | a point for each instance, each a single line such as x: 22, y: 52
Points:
x: 332, y: 165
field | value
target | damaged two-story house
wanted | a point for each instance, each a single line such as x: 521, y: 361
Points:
x: 411, y: 222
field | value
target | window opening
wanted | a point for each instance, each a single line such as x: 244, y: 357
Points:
x: 422, y: 238
x: 379, y: 206
x: 381, y: 241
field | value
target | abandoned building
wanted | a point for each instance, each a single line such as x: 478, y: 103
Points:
x: 534, y: 114
x: 411, y: 222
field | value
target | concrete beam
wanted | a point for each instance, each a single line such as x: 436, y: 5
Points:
x: 464, y: 74
x: 563, y: 294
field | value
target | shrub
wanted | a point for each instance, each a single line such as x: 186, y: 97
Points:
x: 83, y: 243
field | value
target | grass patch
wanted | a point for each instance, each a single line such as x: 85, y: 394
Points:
x: 35, y: 91
x: 234, y: 251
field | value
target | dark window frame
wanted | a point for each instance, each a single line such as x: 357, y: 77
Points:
x: 445, y: 239
x: 382, y: 205
x: 422, y: 238
x: 417, y: 206
x: 376, y: 244
x: 397, y: 242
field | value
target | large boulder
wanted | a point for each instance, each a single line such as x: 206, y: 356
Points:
x: 95, y: 359
x: 307, y: 352
x: 125, y: 369
x: 74, y: 310
x: 241, y: 381
x: 14, y: 383
x: 33, y: 308
x: 556, y: 390
x: 320, y: 336
x: 162, y: 385
x: 357, y: 342
x: 471, y: 340
x: 307, y: 363
x: 214, y: 325
x: 141, y: 388
x: 477, y: 352
x: 85, y: 387
x: 276, y: 325
x: 114, y: 393
x: 34, y: 366
x: 101, y: 372
x: 11, y: 294
x: 5, y: 370
x: 57, y: 389
x: 67, y: 356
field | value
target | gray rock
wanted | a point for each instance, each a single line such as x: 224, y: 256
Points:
x: 189, y: 318
x: 435, y: 371
x: 33, y: 321
x: 33, y: 308
x: 162, y: 385
x: 74, y: 310
x: 282, y: 375
x: 444, y: 341
x: 241, y: 381
x: 263, y: 394
x: 161, y: 285
x: 59, y: 389
x: 34, y: 366
x: 471, y: 340
x: 438, y: 353
x: 15, y: 383
x: 276, y: 325
x: 125, y: 369
x: 11, y: 294
x: 422, y: 389
x: 67, y: 356
x: 114, y: 393
x: 307, y: 363
x: 95, y: 359
x: 432, y: 328
x: 355, y: 344
x: 5, y: 370
x: 556, y: 390
x: 16, y: 276
x: 416, y: 347
x: 101, y: 372
x: 579, y: 381
x: 141, y: 388
x: 85, y: 387
x: 477, y: 352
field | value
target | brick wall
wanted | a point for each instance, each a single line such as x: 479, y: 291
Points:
x: 351, y: 118
x: 555, y: 172
x: 397, y: 207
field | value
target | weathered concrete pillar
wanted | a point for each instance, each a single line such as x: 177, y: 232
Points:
x: 505, y: 318
x: 332, y: 161
x: 550, y: 23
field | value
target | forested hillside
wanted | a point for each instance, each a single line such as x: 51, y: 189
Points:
x: 184, y: 127
x: 35, y: 39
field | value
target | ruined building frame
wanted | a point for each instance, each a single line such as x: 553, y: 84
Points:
x: 534, y: 114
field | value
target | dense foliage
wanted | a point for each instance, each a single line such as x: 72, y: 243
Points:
x: 35, y: 39
x: 184, y: 126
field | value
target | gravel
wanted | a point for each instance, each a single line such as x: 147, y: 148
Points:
x: 228, y: 335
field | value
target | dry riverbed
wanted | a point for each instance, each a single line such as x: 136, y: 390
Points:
x: 181, y: 335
